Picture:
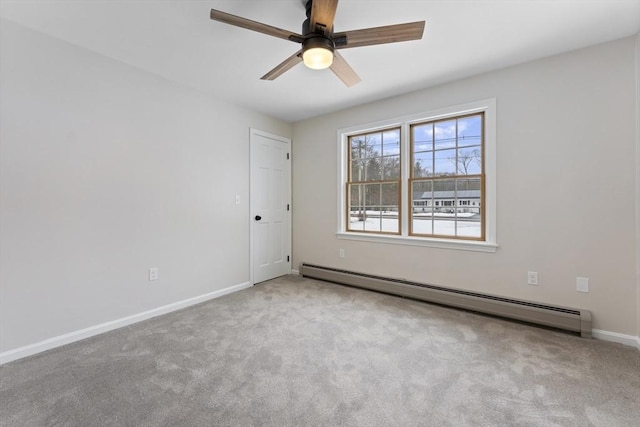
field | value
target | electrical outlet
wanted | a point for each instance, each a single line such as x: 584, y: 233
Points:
x: 532, y: 278
x: 237, y: 199
x: 153, y: 273
x: 582, y: 284
x: 341, y: 253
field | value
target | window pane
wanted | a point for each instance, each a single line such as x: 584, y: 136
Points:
x: 444, y: 217
x: 373, y: 170
x: 372, y: 196
x: 390, y: 196
x: 365, y: 146
x: 373, y: 222
x: 422, y: 164
x: 372, y: 206
x: 445, y: 162
x: 356, y: 207
x: 444, y: 188
x: 391, y: 142
x: 469, y: 186
x: 422, y: 210
x: 373, y: 145
x: 357, y: 148
x: 443, y: 226
x: 470, y: 227
x: 422, y: 137
x: 422, y: 191
x: 357, y: 170
x: 470, y: 131
x: 391, y: 167
x: 355, y: 195
x: 469, y: 161
x: 373, y: 151
x: 355, y: 153
x: 445, y: 134
x: 365, y: 170
x: 468, y: 210
x: 444, y: 196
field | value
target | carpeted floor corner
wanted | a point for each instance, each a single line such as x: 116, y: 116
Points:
x: 300, y: 352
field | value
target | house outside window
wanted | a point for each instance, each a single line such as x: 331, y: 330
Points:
x: 422, y: 180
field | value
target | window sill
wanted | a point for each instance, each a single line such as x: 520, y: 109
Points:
x: 463, y: 245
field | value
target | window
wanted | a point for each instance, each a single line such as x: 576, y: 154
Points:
x: 447, y: 165
x: 426, y: 180
x: 373, y: 183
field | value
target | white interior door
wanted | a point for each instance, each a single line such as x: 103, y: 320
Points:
x: 270, y: 206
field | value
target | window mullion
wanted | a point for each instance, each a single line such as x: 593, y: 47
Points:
x: 405, y: 173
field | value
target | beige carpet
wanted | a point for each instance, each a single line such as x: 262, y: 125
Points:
x: 294, y: 352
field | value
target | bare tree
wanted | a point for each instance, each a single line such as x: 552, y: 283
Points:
x: 465, y: 159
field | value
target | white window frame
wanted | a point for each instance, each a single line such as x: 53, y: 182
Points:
x: 488, y: 106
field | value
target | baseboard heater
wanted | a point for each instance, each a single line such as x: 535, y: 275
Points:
x: 570, y: 319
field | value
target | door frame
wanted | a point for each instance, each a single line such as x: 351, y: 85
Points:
x: 253, y: 132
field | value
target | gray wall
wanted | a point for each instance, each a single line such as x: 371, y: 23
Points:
x: 566, y: 196
x: 106, y: 171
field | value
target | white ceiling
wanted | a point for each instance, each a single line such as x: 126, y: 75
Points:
x: 177, y: 40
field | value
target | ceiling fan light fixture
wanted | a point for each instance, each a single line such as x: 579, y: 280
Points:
x: 317, y: 53
x: 318, y: 58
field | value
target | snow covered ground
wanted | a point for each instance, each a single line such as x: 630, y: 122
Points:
x: 440, y: 225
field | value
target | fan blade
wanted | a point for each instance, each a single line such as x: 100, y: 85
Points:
x: 323, y: 12
x: 284, y: 66
x: 238, y: 21
x: 379, y: 35
x: 343, y: 70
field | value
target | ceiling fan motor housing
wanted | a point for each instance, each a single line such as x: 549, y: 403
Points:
x: 317, y: 41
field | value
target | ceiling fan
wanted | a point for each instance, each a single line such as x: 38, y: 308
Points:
x: 320, y: 44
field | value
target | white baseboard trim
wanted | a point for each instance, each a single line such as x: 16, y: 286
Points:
x: 629, y: 340
x: 296, y: 272
x: 31, y: 349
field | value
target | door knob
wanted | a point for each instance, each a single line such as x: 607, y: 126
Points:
x: 258, y: 217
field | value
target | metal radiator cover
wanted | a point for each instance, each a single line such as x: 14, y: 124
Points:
x: 570, y: 319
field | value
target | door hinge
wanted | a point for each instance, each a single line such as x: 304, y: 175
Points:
x: 287, y: 156
x: 287, y: 207
x: 287, y: 258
